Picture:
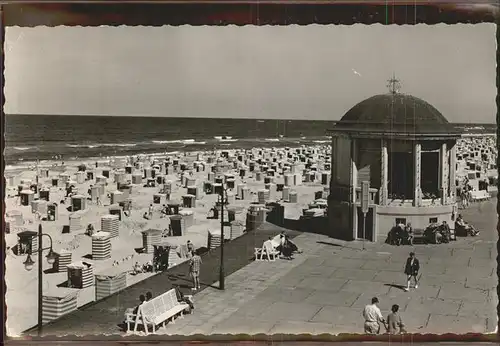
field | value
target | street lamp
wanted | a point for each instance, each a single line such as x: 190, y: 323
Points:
x: 29, y: 264
x: 222, y: 194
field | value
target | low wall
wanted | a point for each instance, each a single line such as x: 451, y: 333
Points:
x: 419, y: 217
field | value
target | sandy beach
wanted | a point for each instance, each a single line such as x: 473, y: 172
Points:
x: 179, y: 173
x: 22, y: 284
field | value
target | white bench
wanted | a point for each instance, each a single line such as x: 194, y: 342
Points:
x: 479, y: 196
x: 266, y: 252
x: 157, y: 311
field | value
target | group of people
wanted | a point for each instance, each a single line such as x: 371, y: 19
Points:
x: 435, y: 233
x: 401, y: 234
x: 147, y: 267
x: 394, y: 323
x: 286, y: 248
x: 438, y: 233
x: 374, y: 319
x: 181, y: 298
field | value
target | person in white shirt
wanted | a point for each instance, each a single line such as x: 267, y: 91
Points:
x: 373, y: 317
x: 268, y: 244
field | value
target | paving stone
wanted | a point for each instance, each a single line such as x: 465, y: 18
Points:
x: 355, y: 263
x: 339, y: 299
x: 354, y: 274
x: 255, y: 307
x: 482, y: 283
x: 384, y: 265
x: 455, y: 324
x: 290, y: 312
x: 338, y: 315
x: 452, y: 276
x: 358, y: 286
x: 434, y: 305
x: 482, y: 263
x: 388, y: 277
x: 293, y: 295
x: 462, y: 293
x: 322, y: 283
x: 480, y: 309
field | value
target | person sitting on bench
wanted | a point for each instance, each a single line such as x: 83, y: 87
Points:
x: 409, y: 234
x: 142, y: 299
x: 181, y: 298
x: 461, y: 224
x: 444, y: 229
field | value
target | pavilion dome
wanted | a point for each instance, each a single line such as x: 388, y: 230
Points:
x: 395, y: 112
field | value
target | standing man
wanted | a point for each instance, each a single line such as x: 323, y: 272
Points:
x: 150, y: 211
x: 194, y: 269
x: 373, y: 317
x: 412, y: 268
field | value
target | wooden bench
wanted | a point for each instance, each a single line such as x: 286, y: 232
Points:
x: 266, y: 252
x: 157, y: 311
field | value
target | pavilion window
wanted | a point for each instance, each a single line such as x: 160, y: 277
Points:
x: 430, y: 175
x: 400, y: 174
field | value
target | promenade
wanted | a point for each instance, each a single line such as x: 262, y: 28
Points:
x: 325, y: 289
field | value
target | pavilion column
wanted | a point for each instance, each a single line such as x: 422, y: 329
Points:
x: 384, y: 173
x: 417, y: 158
x: 452, y: 180
x: 354, y: 169
x: 443, y: 173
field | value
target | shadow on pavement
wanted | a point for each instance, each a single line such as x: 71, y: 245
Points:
x: 401, y: 287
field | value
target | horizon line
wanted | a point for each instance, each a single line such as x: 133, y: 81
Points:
x: 215, y: 117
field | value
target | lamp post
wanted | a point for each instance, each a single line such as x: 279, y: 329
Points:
x: 29, y: 264
x: 221, y: 267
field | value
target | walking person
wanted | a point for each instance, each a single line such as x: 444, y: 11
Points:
x: 373, y: 317
x: 412, y: 268
x: 194, y: 269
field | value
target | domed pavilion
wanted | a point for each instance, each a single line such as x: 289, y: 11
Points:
x: 405, y: 148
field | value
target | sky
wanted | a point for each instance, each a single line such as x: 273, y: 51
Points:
x: 277, y: 72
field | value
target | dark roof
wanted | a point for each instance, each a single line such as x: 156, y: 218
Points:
x: 395, y: 114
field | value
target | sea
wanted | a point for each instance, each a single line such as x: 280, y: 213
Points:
x: 46, y: 137
x: 68, y: 137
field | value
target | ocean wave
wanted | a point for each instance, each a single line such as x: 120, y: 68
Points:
x: 195, y: 143
x: 119, y: 145
x: 23, y: 148
x: 177, y: 141
x: 272, y: 139
x: 320, y: 142
x: 90, y: 146
x: 166, y: 142
x: 220, y: 138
